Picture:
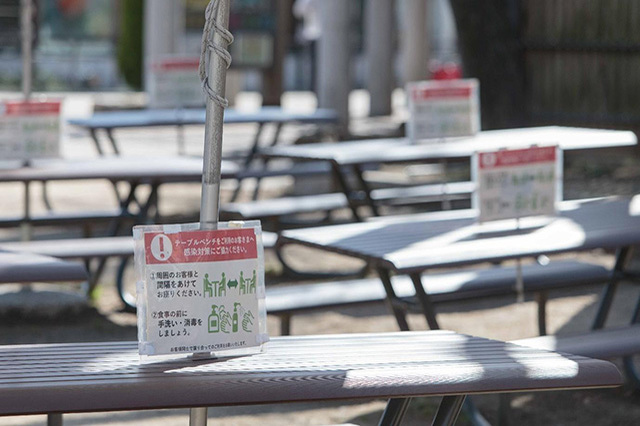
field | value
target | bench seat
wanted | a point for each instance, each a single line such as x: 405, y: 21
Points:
x: 423, y: 193
x: 285, y: 206
x: 92, y: 248
x: 62, y: 218
x: 607, y: 343
x: 442, y: 287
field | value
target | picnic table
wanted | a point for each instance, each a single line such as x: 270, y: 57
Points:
x: 136, y: 171
x: 71, y: 378
x: 412, y: 244
x: 346, y: 157
x: 112, y: 120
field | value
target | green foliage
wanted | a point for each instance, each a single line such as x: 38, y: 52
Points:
x: 130, y: 45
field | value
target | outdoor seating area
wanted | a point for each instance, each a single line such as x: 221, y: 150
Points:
x: 335, y: 213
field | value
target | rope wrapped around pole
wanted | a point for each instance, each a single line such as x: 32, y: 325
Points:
x: 214, y: 61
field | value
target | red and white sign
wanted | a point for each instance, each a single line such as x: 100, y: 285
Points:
x: 517, y: 183
x: 175, y: 82
x: 201, y: 289
x: 443, y: 108
x: 29, y: 129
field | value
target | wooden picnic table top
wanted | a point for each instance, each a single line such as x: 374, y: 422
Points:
x: 163, y: 169
x: 402, y: 150
x: 18, y: 267
x: 178, y: 116
x: 63, y: 378
x: 415, y: 243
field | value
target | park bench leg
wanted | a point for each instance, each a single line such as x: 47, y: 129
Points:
x: 265, y: 161
x: 198, y: 416
x: 250, y: 157
x: 96, y: 141
x: 112, y: 139
x: 54, y: 419
x: 622, y: 257
x: 542, y: 299
x: 425, y: 302
x: 630, y: 367
x: 394, y: 412
x: 396, y: 305
x: 357, y: 170
x: 344, y: 186
x: 449, y: 410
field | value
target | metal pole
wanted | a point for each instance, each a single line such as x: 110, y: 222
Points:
x: 217, y: 72
x: 198, y: 416
x: 26, y: 26
x: 379, y: 38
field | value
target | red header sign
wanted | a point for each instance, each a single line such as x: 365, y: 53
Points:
x: 177, y: 64
x: 200, y: 246
x: 426, y: 93
x: 517, y: 157
x: 32, y: 108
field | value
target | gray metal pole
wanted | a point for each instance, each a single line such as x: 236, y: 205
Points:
x: 217, y: 72
x: 379, y: 38
x: 26, y: 26
x: 198, y: 416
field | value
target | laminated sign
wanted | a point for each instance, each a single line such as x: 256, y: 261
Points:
x: 443, y: 108
x: 517, y: 183
x: 175, y: 83
x: 29, y: 129
x: 200, y: 290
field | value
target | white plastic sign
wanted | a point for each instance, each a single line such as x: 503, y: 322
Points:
x: 517, y: 183
x: 175, y: 83
x: 200, y: 291
x: 443, y: 108
x: 29, y: 129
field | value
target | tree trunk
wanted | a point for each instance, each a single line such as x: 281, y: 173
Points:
x: 489, y: 38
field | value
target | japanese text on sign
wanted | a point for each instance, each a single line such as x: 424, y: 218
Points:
x: 202, y: 290
x: 517, y: 183
x: 29, y: 129
x: 443, y: 108
x: 175, y: 83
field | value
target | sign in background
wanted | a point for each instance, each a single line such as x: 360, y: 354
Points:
x: 517, y: 183
x: 29, y: 129
x: 175, y: 83
x: 201, y: 291
x: 443, y: 108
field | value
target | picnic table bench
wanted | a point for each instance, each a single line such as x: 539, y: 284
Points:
x: 411, y: 245
x: 72, y: 378
x: 353, y: 157
x: 112, y: 120
x: 31, y: 267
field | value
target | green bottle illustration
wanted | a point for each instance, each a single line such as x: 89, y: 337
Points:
x: 214, y: 320
x: 234, y: 325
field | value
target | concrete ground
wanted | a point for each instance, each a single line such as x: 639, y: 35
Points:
x: 502, y: 318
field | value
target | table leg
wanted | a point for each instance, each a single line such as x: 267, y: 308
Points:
x: 396, y: 305
x: 425, y: 302
x: 54, y: 419
x: 112, y: 139
x: 394, y: 412
x: 182, y: 148
x: 449, y: 410
x: 26, y: 228
x: 265, y: 161
x: 342, y: 182
x: 198, y: 416
x: 622, y: 257
x: 250, y: 157
x: 96, y: 141
x: 357, y: 170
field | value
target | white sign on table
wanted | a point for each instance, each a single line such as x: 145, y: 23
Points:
x: 29, y: 129
x: 517, y: 183
x: 175, y: 83
x: 443, y: 108
x: 200, y: 290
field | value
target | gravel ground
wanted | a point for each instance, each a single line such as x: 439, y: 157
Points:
x: 568, y: 312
